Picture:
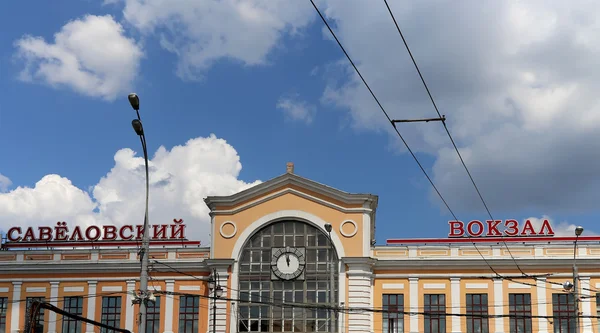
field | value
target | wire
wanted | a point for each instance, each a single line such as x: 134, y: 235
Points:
x: 447, y: 130
x: 397, y: 131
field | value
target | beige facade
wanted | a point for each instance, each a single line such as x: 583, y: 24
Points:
x: 417, y: 286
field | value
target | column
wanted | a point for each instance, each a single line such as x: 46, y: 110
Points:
x: 91, y: 305
x: 53, y: 301
x: 129, y: 308
x: 498, y: 306
x: 542, y: 305
x: 585, y: 306
x: 15, y: 307
x: 169, y: 306
x: 455, y: 298
x: 360, y: 279
x: 413, y: 289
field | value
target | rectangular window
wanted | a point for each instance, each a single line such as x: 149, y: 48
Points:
x: 597, y: 310
x: 477, y: 312
x: 153, y: 316
x: 519, y: 308
x: 38, y: 320
x: 3, y: 307
x: 72, y: 305
x: 435, y: 313
x: 111, y: 312
x: 563, y: 311
x: 393, y: 317
x: 189, y: 312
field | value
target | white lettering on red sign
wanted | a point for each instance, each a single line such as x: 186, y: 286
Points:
x: 491, y: 228
x: 61, y: 233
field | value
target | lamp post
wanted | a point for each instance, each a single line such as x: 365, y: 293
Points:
x: 331, y: 266
x: 578, y: 232
x: 134, y: 100
x: 217, y: 291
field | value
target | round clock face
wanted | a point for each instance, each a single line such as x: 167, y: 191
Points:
x: 287, y: 263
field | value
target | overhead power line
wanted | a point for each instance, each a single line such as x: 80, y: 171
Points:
x: 397, y: 131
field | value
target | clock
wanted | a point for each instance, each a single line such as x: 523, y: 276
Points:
x: 287, y: 263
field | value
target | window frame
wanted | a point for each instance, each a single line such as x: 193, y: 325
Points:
x: 477, y: 312
x: 435, y: 312
x: 184, y: 310
x: 153, y: 316
x: 563, y: 312
x: 77, y: 309
x: 40, y: 317
x: 393, y: 316
x: 523, y: 308
x: 111, y: 318
x: 3, y: 311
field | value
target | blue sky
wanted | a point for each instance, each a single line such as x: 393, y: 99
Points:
x: 524, y: 119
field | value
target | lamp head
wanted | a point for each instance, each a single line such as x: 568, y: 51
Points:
x: 137, y: 127
x: 578, y: 231
x: 328, y: 227
x: 219, y: 291
x: 211, y: 283
x: 568, y: 285
x: 134, y: 100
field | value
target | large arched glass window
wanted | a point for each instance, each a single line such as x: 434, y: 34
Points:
x: 286, y: 262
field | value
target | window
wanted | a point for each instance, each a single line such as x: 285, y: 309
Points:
x: 38, y: 320
x: 257, y: 284
x: 393, y: 318
x: 72, y: 305
x: 189, y: 309
x: 153, y: 316
x: 3, y: 306
x: 563, y: 307
x: 435, y: 313
x: 519, y: 308
x: 477, y: 308
x: 597, y: 310
x: 111, y: 312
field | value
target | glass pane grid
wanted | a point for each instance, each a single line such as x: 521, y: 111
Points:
x: 393, y: 318
x: 72, y: 305
x: 3, y: 307
x: 189, y: 314
x: 256, y: 285
x: 39, y: 318
x: 477, y: 306
x: 563, y: 306
x: 519, y: 307
x: 435, y: 309
x: 111, y: 312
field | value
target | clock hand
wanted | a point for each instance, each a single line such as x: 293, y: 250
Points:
x: 287, y: 259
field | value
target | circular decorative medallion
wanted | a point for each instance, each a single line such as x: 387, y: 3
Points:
x: 223, y: 229
x: 354, y: 228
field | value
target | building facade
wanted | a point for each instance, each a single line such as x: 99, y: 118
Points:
x: 282, y: 270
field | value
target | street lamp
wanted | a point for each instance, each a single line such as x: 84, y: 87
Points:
x: 331, y: 266
x: 134, y: 100
x: 217, y: 290
x: 568, y: 285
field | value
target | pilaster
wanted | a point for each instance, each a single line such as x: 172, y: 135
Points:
x: 170, y: 284
x: 455, y: 302
x: 542, y: 305
x: 360, y: 281
x: 129, y: 308
x: 585, y: 304
x: 413, y: 290
x: 54, y: 301
x: 15, y: 307
x: 222, y: 266
x: 91, y: 305
x: 498, y: 306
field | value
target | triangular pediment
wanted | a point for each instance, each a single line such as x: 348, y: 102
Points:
x: 292, y: 183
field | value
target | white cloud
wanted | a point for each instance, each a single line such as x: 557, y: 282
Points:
x: 91, y: 55
x: 296, y: 109
x: 180, y: 179
x: 202, y: 32
x: 5, y: 183
x: 526, y: 119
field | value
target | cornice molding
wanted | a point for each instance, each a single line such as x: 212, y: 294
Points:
x: 542, y: 264
x: 291, y: 179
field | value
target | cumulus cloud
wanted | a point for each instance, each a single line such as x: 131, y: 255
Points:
x: 5, y: 182
x: 201, y: 33
x: 180, y: 179
x: 561, y: 228
x: 517, y: 81
x: 91, y: 55
x: 296, y: 109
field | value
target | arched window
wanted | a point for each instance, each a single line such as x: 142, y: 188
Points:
x: 286, y: 262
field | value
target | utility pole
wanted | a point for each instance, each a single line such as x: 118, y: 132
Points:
x: 332, y: 310
x: 578, y: 232
x: 144, y: 252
